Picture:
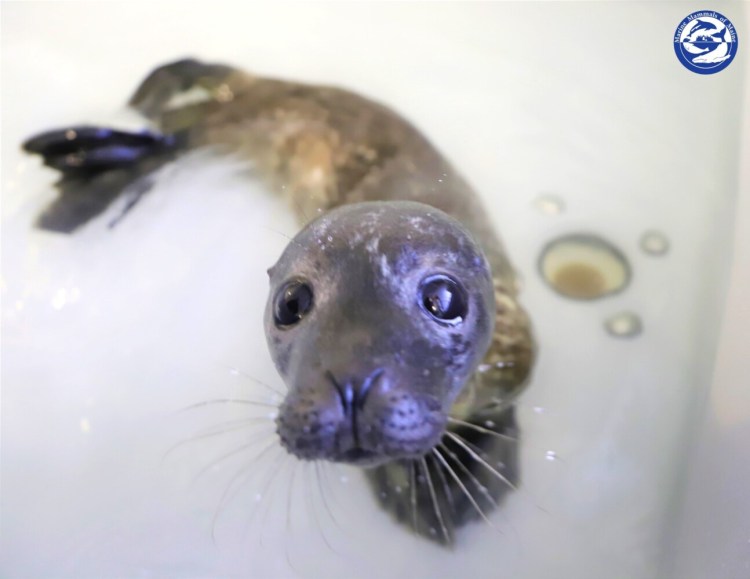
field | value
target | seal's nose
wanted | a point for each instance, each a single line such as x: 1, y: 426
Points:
x: 354, y: 393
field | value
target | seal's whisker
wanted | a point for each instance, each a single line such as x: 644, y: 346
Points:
x: 231, y: 453
x: 260, y: 420
x: 289, y: 530
x: 482, y: 489
x: 298, y: 206
x: 444, y: 482
x: 435, y: 504
x: 229, y: 401
x: 325, y: 468
x: 289, y: 499
x: 278, y: 232
x: 466, y: 492
x: 482, y: 429
x: 232, y: 426
x: 310, y: 505
x: 271, y: 492
x: 322, y: 492
x: 413, y: 489
x: 460, y: 441
x: 281, y: 459
x: 238, y: 372
x: 229, y: 494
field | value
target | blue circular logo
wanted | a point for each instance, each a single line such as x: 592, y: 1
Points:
x: 705, y: 42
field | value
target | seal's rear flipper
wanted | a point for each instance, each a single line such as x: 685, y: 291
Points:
x: 98, y: 165
x: 165, y: 82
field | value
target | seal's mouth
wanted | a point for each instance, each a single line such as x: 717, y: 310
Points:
x: 361, y: 457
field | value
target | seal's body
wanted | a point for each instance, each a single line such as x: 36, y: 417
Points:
x: 392, y: 315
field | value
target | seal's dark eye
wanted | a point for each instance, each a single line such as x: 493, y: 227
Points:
x: 443, y: 299
x: 294, y: 300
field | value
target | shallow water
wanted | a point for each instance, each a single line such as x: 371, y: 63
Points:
x: 107, y: 334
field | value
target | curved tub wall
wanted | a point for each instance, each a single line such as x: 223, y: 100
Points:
x: 713, y: 523
x: 108, y: 334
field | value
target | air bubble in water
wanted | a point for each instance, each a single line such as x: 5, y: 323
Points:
x: 550, y: 455
x: 624, y: 325
x: 549, y: 204
x: 654, y: 243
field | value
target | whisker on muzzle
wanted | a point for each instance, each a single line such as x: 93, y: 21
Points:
x: 229, y: 401
x: 435, y: 503
x: 436, y: 452
x: 464, y: 469
x: 237, y: 372
x: 241, y: 475
x: 218, y: 430
x: 235, y: 452
x: 321, y: 481
x: 483, y: 430
x: 463, y: 443
x: 310, y: 505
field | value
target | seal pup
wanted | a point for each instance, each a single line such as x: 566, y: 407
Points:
x: 392, y: 315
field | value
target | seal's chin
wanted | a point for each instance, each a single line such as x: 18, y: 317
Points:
x: 362, y: 457
x: 368, y: 458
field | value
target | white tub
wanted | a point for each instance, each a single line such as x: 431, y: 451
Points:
x: 107, y: 334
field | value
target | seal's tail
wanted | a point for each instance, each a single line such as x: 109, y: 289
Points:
x: 97, y: 166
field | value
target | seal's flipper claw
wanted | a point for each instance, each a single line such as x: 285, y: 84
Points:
x: 97, y: 165
x: 169, y: 80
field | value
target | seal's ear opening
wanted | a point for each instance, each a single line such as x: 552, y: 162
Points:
x: 269, y: 271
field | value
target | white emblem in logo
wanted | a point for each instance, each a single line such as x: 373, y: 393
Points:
x: 705, y: 42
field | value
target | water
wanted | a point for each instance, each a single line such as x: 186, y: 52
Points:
x: 108, y: 334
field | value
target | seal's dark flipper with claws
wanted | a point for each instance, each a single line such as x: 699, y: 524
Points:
x: 97, y: 166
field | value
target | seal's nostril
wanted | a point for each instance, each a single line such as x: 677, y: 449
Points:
x: 351, y: 395
x: 342, y: 391
x: 367, y: 384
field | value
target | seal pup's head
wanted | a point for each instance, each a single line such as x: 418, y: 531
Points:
x: 378, y: 314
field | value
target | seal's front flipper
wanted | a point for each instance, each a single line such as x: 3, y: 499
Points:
x: 463, y: 479
x: 98, y: 165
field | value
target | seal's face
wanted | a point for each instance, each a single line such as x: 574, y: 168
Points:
x: 378, y: 314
